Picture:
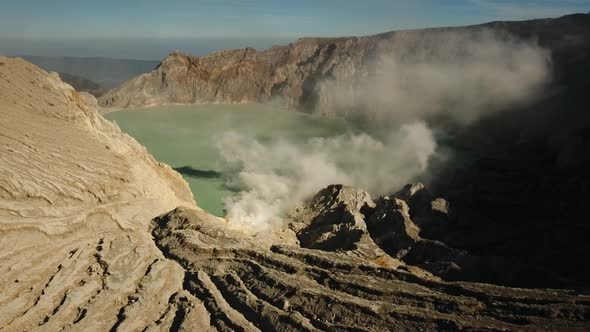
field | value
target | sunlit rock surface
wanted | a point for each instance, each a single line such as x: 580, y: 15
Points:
x: 76, y: 197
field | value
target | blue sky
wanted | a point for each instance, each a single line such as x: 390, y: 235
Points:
x: 30, y: 23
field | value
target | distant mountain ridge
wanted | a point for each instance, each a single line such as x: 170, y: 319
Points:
x: 107, y: 72
x: 82, y: 84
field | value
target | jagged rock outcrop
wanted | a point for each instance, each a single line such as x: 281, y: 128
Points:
x: 243, y: 75
x: 236, y: 283
x: 346, y: 220
x: 295, y: 74
x: 399, y: 236
x: 333, y: 220
x: 432, y: 215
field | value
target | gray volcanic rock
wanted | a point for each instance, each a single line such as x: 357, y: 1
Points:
x: 333, y: 220
x: 239, y: 283
x: 393, y: 230
x: 346, y: 220
x: 440, y: 207
x: 392, y: 226
x: 434, y: 218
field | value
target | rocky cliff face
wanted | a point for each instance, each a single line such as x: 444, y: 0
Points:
x: 243, y: 75
x: 295, y: 73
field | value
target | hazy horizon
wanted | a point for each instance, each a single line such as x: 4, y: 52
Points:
x: 148, y: 30
x: 130, y: 48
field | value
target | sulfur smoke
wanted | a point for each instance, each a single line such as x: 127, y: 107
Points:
x: 280, y: 174
x: 459, y: 75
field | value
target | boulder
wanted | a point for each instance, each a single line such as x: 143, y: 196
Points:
x: 393, y: 230
x: 391, y: 227
x: 332, y: 220
x: 434, y: 218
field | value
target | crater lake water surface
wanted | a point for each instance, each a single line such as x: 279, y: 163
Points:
x: 185, y: 138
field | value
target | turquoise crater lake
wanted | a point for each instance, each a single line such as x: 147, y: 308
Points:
x: 185, y: 137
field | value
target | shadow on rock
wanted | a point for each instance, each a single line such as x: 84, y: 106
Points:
x: 522, y: 199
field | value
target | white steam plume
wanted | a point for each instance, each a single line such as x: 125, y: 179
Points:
x: 277, y: 175
x: 462, y: 75
x: 458, y: 75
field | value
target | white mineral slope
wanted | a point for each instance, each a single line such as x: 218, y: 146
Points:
x: 76, y: 198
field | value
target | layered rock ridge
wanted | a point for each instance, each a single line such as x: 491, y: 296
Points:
x: 294, y: 74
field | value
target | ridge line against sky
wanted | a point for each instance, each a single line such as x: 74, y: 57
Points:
x: 149, y: 29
